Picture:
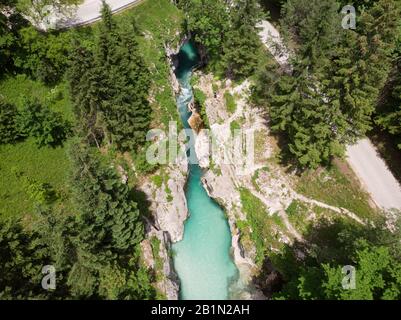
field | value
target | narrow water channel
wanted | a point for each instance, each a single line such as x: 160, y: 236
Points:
x: 202, y: 259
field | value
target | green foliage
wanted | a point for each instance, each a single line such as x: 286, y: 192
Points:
x: 162, y: 22
x: 263, y: 226
x: 9, y: 131
x: 313, y: 27
x: 329, y: 98
x: 85, y: 94
x: 41, y: 193
x: 230, y: 102
x: 389, y: 114
x: 155, y: 243
x: 21, y: 261
x: 157, y: 180
x: 373, y: 251
x: 234, y: 127
x: 142, y: 166
x: 200, y: 99
x: 378, y: 276
x: 240, y: 52
x: 46, y: 126
x: 109, y: 215
x: 10, y: 23
x: 113, y: 96
x: 298, y: 109
x: 43, y: 56
x: 226, y: 34
x: 209, y: 21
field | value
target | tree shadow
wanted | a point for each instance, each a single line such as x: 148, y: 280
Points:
x: 386, y: 145
x: 143, y: 203
x: 332, y: 241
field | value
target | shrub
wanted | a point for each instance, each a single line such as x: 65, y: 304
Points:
x: 47, y: 126
x: 200, y: 99
x: 9, y: 131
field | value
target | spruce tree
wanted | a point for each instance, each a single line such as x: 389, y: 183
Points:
x: 337, y: 77
x: 361, y: 66
x: 297, y: 107
x: 85, y: 94
x: 124, y: 83
x: 388, y: 115
x: 21, y: 261
x: 9, y: 129
x: 109, y: 216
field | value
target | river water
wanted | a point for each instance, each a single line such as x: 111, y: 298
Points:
x: 202, y: 259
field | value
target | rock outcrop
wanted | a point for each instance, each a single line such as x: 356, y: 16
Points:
x: 168, y: 206
x: 168, y: 202
x: 168, y: 283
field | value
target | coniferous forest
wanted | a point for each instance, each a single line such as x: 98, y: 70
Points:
x: 77, y: 103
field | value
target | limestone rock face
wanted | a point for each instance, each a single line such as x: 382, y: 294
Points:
x: 202, y: 149
x: 228, y: 172
x: 168, y: 207
x: 168, y: 283
x: 168, y: 202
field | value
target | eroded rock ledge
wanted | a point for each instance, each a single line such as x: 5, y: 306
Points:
x: 168, y: 206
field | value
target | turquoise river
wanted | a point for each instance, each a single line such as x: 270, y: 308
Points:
x: 202, y: 259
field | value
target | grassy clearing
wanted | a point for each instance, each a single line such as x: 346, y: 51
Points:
x: 260, y: 227
x: 336, y: 187
x: 46, y: 165
x: 16, y: 89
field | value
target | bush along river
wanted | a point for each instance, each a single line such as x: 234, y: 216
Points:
x: 202, y: 259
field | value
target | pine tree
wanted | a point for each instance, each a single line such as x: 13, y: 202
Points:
x: 388, y: 115
x: 9, y: 131
x: 297, y: 107
x: 313, y: 28
x: 109, y: 216
x: 361, y: 66
x: 85, y: 94
x: 333, y: 93
x: 240, y: 56
x: 124, y: 84
x: 126, y: 108
x: 21, y: 261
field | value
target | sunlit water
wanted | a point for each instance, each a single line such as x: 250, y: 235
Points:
x: 202, y: 259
